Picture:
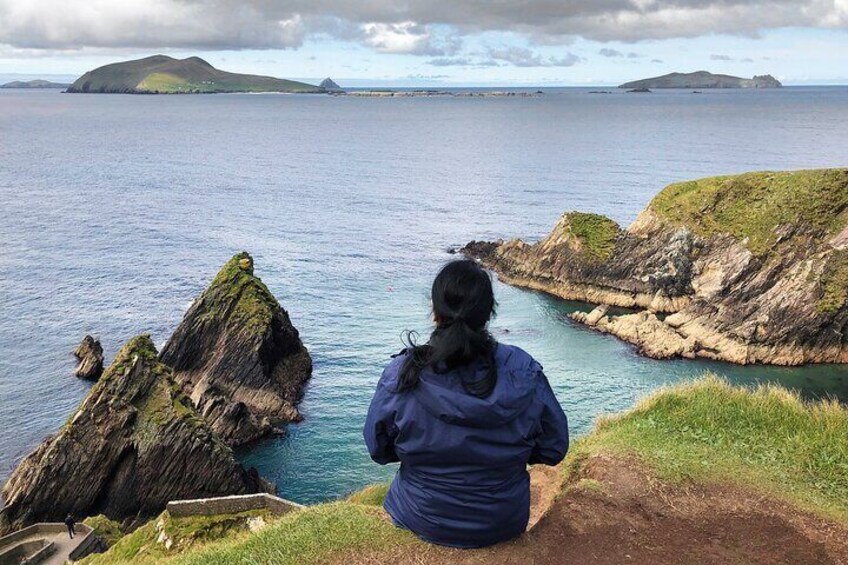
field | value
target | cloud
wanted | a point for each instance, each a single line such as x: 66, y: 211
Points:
x: 747, y: 60
x: 720, y: 58
x: 607, y: 52
x: 462, y: 62
x: 633, y: 55
x: 523, y: 57
x: 422, y: 27
x: 409, y: 38
x: 656, y: 60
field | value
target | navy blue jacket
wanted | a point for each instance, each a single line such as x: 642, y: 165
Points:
x: 463, y: 477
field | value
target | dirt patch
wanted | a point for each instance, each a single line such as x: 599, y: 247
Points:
x: 614, y: 511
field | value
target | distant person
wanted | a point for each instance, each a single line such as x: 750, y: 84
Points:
x: 464, y: 415
x: 70, y: 523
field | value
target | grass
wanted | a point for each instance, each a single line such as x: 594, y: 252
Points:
x: 372, y: 495
x: 309, y: 536
x: 767, y: 439
x: 108, y: 530
x: 596, y: 233
x: 751, y: 206
x: 147, y: 543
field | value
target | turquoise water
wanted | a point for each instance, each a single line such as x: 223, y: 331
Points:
x: 118, y: 210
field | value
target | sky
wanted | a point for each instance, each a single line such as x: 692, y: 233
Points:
x: 437, y: 42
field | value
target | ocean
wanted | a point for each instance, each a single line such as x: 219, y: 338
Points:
x: 118, y: 210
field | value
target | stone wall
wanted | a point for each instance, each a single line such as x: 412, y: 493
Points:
x: 231, y: 505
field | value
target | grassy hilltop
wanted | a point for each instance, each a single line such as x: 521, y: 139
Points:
x: 717, y: 471
x: 161, y: 74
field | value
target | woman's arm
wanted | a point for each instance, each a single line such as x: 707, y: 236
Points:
x: 380, y: 430
x: 552, y: 441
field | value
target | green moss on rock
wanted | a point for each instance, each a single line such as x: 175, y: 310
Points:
x: 596, y: 233
x: 753, y: 205
x: 104, y: 528
x: 236, y: 281
x: 834, y: 283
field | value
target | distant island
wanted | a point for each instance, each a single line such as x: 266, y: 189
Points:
x: 703, y: 79
x: 161, y: 74
x: 37, y: 83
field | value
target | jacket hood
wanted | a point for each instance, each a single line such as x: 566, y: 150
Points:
x: 444, y: 396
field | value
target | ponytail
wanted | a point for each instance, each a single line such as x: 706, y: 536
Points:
x: 463, y: 303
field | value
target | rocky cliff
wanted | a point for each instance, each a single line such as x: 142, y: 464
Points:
x: 238, y: 356
x: 748, y: 269
x: 134, y: 444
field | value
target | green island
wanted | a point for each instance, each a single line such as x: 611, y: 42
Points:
x: 693, y: 455
x: 161, y: 74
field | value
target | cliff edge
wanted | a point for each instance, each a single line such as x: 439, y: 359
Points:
x: 751, y: 268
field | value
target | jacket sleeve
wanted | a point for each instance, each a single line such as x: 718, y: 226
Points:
x: 380, y: 430
x: 552, y: 440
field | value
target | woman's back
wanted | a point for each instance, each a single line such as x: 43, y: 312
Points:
x: 463, y: 478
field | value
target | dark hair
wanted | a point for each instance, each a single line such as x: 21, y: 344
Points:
x: 463, y: 303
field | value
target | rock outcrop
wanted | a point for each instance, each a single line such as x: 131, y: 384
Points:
x: 90, y: 355
x: 134, y: 444
x: 748, y: 269
x: 238, y: 356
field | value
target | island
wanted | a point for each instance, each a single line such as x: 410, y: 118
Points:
x: 37, y: 83
x: 161, y: 74
x: 702, y: 79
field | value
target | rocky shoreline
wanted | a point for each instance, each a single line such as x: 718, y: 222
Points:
x: 747, y: 269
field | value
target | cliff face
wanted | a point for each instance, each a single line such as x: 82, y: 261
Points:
x: 238, y: 356
x: 134, y: 444
x: 748, y: 269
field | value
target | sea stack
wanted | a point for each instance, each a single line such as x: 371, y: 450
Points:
x: 90, y: 355
x: 751, y: 268
x: 134, y: 444
x: 238, y: 356
x: 330, y: 85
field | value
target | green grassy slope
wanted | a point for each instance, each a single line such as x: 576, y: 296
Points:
x: 166, y: 75
x: 767, y: 440
x: 753, y: 205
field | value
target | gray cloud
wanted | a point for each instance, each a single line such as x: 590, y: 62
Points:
x: 523, y: 57
x: 424, y: 27
x: 633, y: 55
x: 607, y: 52
x: 720, y: 58
x: 656, y: 60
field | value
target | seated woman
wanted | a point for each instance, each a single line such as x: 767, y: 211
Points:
x: 464, y: 415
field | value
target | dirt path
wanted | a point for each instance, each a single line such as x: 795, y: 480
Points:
x: 618, y: 513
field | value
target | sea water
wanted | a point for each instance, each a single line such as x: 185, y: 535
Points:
x: 118, y: 210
